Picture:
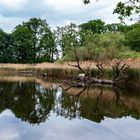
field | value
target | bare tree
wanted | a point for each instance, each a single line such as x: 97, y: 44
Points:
x: 101, y: 61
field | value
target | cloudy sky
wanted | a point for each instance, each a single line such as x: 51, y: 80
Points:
x: 56, y: 12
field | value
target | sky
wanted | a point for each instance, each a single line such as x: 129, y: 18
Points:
x: 56, y: 12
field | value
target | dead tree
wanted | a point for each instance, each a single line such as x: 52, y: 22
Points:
x: 119, y: 70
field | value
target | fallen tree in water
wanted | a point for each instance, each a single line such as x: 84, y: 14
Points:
x: 119, y: 68
x: 83, y: 80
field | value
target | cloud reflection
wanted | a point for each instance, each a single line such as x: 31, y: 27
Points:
x: 61, y: 128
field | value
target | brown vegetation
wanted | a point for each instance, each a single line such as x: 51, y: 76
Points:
x: 134, y: 63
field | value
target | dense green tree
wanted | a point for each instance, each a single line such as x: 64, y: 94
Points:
x: 117, y: 27
x: 96, y: 26
x: 48, y: 50
x: 97, y: 47
x: 101, y: 47
x: 23, y: 44
x: 40, y: 33
x: 34, y: 41
x: 92, y: 40
x: 133, y: 38
x: 67, y: 38
x: 42, y: 39
x: 91, y: 27
x: 7, y: 54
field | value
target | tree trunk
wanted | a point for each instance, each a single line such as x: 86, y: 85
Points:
x: 101, y: 81
x: 92, y: 80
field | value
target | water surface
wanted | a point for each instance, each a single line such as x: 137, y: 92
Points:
x: 34, y: 109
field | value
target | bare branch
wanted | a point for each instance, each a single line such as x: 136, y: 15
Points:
x: 78, y: 66
x: 120, y: 71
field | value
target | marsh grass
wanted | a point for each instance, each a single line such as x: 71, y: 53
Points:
x: 134, y: 74
x: 62, y: 70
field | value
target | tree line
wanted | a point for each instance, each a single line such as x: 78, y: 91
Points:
x: 34, y: 41
x: 30, y: 42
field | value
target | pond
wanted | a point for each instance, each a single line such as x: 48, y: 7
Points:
x: 36, y: 109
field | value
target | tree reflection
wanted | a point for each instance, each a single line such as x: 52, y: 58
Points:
x: 97, y: 106
x: 27, y: 101
x: 32, y: 103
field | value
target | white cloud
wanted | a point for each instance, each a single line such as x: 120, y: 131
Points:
x: 9, y: 23
x: 13, y: 4
x: 77, y: 5
x: 56, y: 12
x: 9, y: 134
x: 63, y: 4
x: 77, y: 12
x: 66, y: 11
x: 6, y: 113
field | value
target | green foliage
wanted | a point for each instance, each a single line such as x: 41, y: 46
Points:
x: 67, y: 38
x: 6, y: 48
x: 129, y: 54
x: 89, y: 45
x: 133, y: 38
x: 23, y: 44
x: 104, y: 46
x: 42, y: 39
x: 95, y: 26
x: 128, y: 9
x: 117, y: 27
x: 30, y: 42
x: 34, y: 41
x: 116, y: 40
x: 97, y: 47
x: 86, y: 1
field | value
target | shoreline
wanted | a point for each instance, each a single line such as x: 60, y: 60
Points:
x: 64, y: 70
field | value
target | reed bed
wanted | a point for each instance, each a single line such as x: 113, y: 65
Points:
x: 134, y: 63
x: 64, y: 70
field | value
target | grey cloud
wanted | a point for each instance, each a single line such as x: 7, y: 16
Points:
x: 55, y: 17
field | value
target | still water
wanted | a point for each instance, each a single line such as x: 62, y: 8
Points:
x: 34, y: 109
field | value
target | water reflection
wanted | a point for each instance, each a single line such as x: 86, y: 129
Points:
x: 27, y: 100
x: 98, y: 102
x: 33, y: 103
x: 35, y: 109
x: 59, y: 128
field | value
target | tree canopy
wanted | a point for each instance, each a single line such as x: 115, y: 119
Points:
x: 7, y: 54
x: 33, y: 41
x: 133, y: 38
x: 96, y: 26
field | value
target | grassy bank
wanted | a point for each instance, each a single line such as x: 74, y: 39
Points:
x: 64, y: 70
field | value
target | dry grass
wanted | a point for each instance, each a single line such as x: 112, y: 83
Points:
x: 134, y: 63
x: 58, y: 70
